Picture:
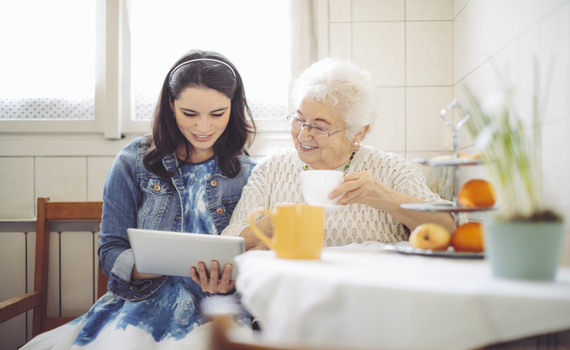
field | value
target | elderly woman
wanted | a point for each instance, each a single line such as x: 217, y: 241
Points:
x: 334, y: 102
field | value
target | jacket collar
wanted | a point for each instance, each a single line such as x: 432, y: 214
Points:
x: 170, y: 163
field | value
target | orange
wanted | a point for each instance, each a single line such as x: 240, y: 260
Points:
x: 477, y: 193
x: 462, y: 154
x: 468, y: 238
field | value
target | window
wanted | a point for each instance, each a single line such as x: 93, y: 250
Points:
x: 48, y: 61
x: 253, y: 34
x: 96, y: 66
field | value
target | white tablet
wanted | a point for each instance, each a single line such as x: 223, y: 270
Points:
x: 173, y: 253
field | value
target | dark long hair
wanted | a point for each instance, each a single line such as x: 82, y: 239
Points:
x: 166, y: 137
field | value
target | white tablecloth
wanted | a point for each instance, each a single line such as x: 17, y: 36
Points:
x: 368, y: 297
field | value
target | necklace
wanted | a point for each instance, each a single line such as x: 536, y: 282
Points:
x: 306, y: 167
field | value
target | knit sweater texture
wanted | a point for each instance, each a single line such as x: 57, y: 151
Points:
x: 276, y: 180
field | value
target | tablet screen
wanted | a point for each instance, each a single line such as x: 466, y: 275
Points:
x: 173, y: 253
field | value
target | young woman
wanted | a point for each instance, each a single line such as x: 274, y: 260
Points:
x: 186, y: 176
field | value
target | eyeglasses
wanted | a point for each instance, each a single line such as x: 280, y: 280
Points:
x: 314, y: 130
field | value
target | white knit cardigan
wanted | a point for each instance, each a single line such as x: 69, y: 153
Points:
x: 276, y: 180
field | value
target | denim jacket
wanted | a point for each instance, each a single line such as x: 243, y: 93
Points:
x: 135, y: 197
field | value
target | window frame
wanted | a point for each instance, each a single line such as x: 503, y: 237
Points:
x: 114, y: 101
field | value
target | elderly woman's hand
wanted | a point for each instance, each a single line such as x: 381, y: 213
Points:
x: 251, y: 240
x: 362, y: 187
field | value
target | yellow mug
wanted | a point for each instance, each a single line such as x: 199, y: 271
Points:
x: 297, y: 230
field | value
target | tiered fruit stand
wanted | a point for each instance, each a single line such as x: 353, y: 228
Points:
x: 454, y: 208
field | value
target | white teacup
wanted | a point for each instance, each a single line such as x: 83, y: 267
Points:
x: 316, y: 186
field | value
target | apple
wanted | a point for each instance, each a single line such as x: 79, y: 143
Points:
x: 430, y: 236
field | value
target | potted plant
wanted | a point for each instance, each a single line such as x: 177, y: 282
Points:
x: 524, y: 239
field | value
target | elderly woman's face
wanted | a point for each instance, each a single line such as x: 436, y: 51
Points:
x: 321, y: 152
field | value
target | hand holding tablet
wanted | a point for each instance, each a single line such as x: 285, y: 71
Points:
x: 218, y: 281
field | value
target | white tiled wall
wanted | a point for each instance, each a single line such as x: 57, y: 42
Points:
x: 380, y: 48
x: 422, y: 52
x: 407, y: 46
x: 425, y: 128
x: 512, y: 35
x: 97, y: 169
x: 378, y: 10
x: 60, y: 178
x: 429, y: 53
x: 389, y: 129
x: 429, y: 10
x: 17, y: 194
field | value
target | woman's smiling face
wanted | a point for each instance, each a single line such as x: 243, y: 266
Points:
x: 321, y: 152
x: 202, y: 116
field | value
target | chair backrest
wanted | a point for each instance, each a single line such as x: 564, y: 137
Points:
x: 48, y: 211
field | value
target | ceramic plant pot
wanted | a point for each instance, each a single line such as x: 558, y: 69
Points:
x: 523, y: 250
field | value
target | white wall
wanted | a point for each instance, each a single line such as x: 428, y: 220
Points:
x: 62, y: 178
x: 511, y: 34
x: 407, y: 46
x: 421, y: 53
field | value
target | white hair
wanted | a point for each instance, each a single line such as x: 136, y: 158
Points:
x: 342, y: 85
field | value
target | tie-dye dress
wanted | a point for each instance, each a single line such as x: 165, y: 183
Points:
x: 170, y: 319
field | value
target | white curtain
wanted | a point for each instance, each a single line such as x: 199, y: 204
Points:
x: 304, y: 40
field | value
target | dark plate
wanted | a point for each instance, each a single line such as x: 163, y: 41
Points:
x: 444, y: 207
x: 405, y: 248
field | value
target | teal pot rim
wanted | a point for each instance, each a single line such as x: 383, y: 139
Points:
x: 524, y: 223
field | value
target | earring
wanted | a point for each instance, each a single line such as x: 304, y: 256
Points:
x: 173, y: 115
x: 356, y: 143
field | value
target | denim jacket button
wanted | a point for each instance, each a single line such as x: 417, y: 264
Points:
x: 157, y: 187
x: 214, y: 183
x: 219, y: 210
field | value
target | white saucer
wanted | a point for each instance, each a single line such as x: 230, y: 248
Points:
x: 329, y: 208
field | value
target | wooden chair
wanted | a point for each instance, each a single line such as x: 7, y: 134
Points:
x: 37, y: 300
x: 222, y: 312
x: 222, y: 325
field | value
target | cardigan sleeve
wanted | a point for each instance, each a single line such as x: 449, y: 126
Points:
x: 253, y: 197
